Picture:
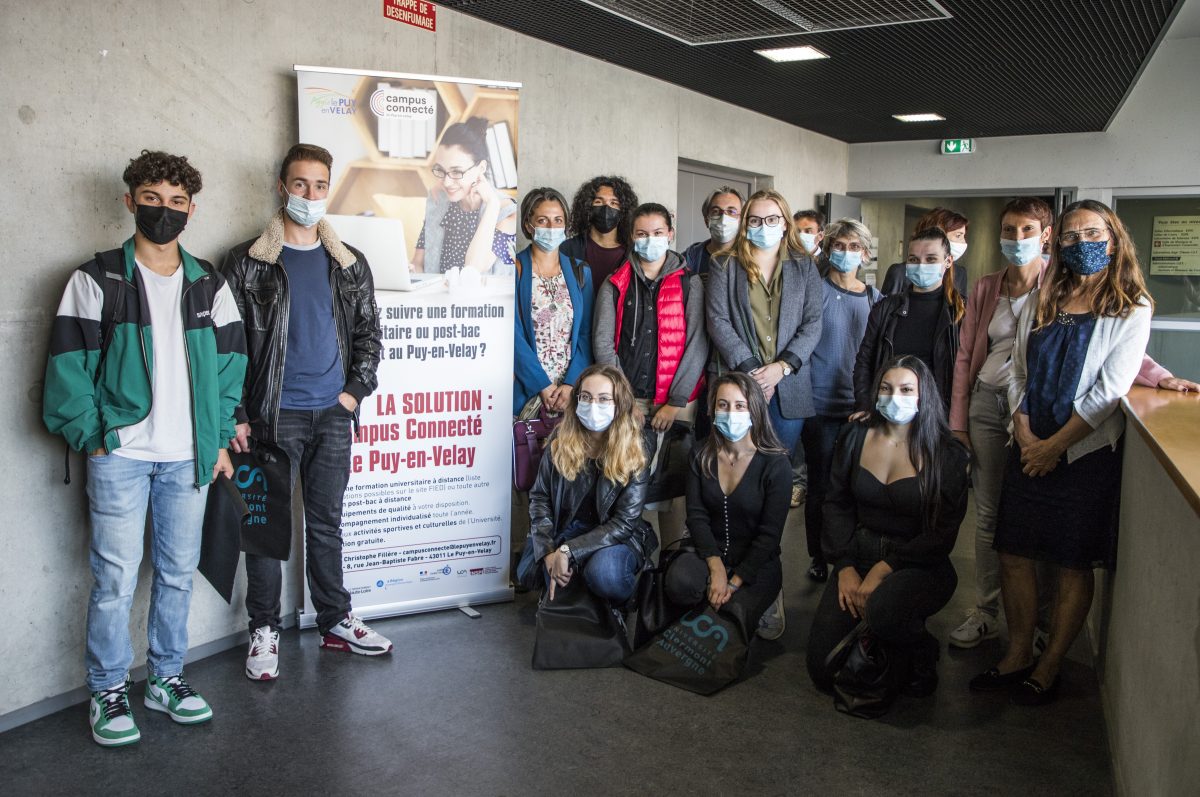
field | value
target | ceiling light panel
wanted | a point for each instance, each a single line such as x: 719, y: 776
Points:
x: 785, y: 54
x: 919, y: 117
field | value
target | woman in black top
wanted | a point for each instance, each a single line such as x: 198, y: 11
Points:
x: 738, y: 495
x: 897, y: 493
x: 922, y: 321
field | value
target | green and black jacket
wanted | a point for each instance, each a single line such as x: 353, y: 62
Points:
x: 87, y: 403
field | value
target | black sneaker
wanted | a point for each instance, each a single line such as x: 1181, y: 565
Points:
x: 818, y: 572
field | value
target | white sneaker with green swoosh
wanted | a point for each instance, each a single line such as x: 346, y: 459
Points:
x: 177, y: 699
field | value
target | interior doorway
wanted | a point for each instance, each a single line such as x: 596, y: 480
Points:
x: 696, y: 182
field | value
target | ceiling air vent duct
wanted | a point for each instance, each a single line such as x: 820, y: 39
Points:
x: 718, y: 21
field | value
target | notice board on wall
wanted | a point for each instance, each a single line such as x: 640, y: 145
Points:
x: 1175, y: 246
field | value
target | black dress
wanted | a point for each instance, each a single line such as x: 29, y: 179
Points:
x: 1070, y: 515
x: 867, y: 521
x: 743, y: 528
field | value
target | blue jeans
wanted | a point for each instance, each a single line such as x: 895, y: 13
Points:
x: 787, y: 429
x: 318, y: 444
x: 119, y: 490
x: 610, y: 573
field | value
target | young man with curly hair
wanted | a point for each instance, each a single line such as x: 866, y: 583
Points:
x: 599, y: 226
x: 147, y: 358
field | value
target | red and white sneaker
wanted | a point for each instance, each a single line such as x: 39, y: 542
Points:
x: 262, y: 660
x: 354, y: 635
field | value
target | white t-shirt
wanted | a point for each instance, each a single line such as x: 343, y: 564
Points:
x: 1002, y: 334
x: 165, y: 435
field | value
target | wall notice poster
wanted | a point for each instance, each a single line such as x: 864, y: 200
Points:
x: 425, y: 522
x: 1175, y: 246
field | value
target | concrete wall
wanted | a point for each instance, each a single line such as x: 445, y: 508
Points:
x: 1151, y: 142
x: 87, y: 85
x: 1146, y: 622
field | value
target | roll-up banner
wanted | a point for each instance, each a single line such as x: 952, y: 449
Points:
x: 424, y: 184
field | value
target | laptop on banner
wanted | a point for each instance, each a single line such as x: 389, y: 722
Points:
x: 381, y: 239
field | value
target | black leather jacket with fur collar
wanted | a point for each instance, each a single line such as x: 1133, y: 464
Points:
x: 254, y: 270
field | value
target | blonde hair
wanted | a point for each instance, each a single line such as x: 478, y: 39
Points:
x: 741, y: 248
x: 1119, y: 291
x: 623, y: 456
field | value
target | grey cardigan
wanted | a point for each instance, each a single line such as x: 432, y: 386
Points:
x: 695, y: 351
x: 731, y: 325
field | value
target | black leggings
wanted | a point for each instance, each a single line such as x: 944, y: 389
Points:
x: 896, y: 612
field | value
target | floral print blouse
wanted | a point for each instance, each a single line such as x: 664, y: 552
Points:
x: 553, y: 317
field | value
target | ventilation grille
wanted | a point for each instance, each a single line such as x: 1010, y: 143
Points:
x: 720, y: 21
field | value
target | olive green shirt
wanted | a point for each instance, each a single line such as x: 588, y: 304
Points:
x: 764, y: 310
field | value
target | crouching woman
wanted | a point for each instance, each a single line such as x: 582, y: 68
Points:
x: 586, y: 504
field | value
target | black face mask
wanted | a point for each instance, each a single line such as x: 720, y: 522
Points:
x: 159, y: 223
x: 605, y: 218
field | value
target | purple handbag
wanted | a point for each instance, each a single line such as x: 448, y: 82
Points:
x: 529, y: 439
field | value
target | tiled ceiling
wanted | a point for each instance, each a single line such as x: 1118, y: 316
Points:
x: 991, y: 67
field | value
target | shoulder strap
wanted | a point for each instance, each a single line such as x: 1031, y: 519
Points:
x: 577, y: 270
x: 112, y: 314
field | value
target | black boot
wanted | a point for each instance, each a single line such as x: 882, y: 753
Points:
x: 923, y: 678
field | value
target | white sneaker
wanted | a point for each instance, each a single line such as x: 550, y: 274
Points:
x: 354, y: 635
x: 773, y: 621
x: 977, y: 627
x: 262, y: 660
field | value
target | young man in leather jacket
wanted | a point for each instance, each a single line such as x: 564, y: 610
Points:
x: 313, y: 338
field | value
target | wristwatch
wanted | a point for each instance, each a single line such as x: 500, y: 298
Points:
x: 787, y: 369
x: 565, y: 550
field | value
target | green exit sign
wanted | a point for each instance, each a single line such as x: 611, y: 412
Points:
x: 958, y: 146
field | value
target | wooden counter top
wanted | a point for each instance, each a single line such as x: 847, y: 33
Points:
x: 1169, y: 422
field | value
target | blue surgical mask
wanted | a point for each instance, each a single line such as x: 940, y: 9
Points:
x: 549, y: 238
x: 924, y: 275
x: 809, y: 241
x: 1021, y: 252
x: 732, y: 425
x: 957, y: 250
x: 595, y: 417
x: 305, y: 212
x: 897, y: 409
x: 1086, y: 257
x: 724, y: 228
x: 763, y: 236
x: 845, y: 261
x: 651, y: 248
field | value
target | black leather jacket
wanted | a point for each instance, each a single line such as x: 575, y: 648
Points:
x: 553, y: 502
x: 254, y: 270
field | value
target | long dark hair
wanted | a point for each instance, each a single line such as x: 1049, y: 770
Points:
x: 954, y: 299
x: 929, y: 439
x: 762, y: 433
x: 581, y: 205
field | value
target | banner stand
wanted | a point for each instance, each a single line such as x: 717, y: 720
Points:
x: 309, y: 619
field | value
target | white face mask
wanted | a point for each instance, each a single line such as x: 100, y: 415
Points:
x: 724, y: 228
x: 595, y: 417
x: 809, y: 241
x: 897, y: 409
x: 305, y: 212
x: 957, y: 250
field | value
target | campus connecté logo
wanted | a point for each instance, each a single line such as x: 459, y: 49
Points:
x: 703, y: 626
x: 329, y: 101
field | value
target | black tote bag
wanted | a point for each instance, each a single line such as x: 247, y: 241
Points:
x: 220, y: 543
x: 655, y: 611
x: 263, y: 477
x: 577, y: 630
x: 864, y: 674
x: 703, y: 652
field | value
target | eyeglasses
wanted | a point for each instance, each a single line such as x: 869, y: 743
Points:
x: 1090, y: 234
x: 588, y: 398
x: 716, y: 213
x: 453, y: 174
x: 758, y: 221
x: 854, y: 246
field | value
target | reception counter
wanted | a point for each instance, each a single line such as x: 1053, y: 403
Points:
x: 1145, y: 621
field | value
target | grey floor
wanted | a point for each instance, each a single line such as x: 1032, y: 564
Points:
x: 456, y: 710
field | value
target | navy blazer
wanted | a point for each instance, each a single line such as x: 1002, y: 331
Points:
x: 529, y: 378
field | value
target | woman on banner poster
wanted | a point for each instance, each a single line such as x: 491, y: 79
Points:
x: 469, y: 223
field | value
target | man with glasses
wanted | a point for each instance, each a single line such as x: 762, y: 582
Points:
x: 313, y: 338
x: 722, y: 211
